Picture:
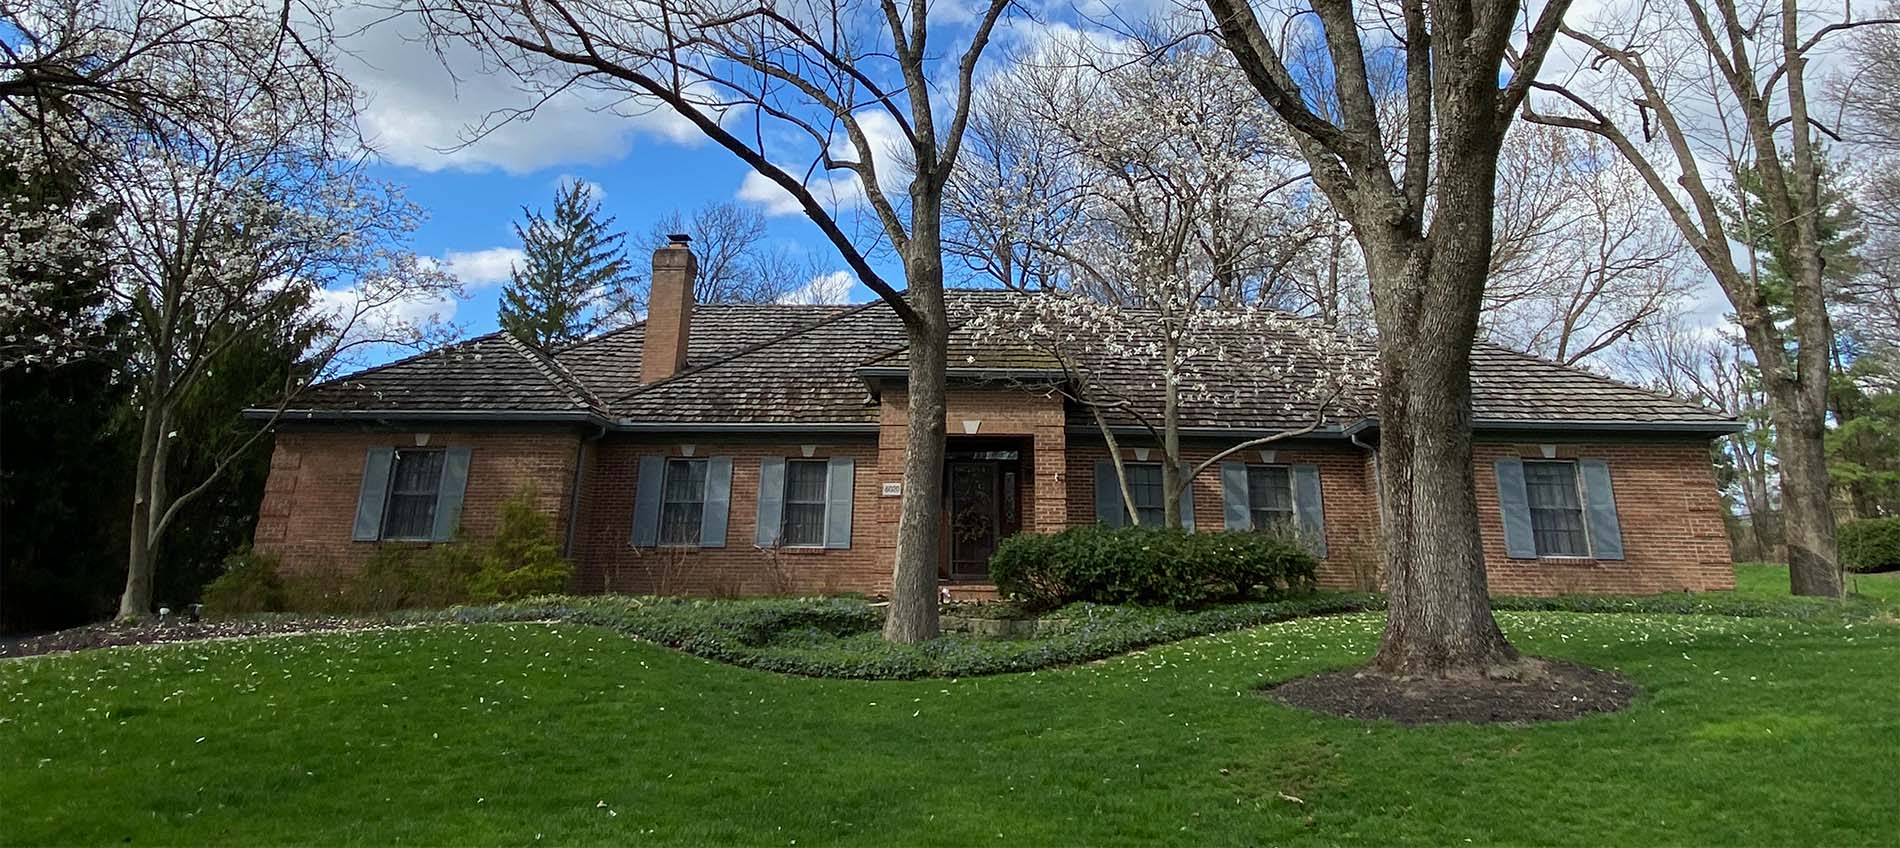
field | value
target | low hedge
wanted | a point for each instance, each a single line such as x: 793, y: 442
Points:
x: 1870, y: 544
x: 837, y: 637
x: 1148, y: 565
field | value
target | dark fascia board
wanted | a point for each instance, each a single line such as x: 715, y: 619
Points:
x: 432, y: 416
x: 887, y: 372
x: 1208, y: 432
x: 559, y: 416
x: 1705, y: 428
x: 625, y: 426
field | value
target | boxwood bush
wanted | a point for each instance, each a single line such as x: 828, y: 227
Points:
x: 1870, y: 544
x: 1147, y: 565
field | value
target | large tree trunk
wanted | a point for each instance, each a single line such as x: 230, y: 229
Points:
x: 1429, y: 291
x: 1807, y: 510
x: 912, y: 616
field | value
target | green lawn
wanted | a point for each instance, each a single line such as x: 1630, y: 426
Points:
x: 1770, y: 580
x: 1750, y: 731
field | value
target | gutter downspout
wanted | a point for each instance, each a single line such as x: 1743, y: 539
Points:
x: 1378, y: 483
x: 574, y: 490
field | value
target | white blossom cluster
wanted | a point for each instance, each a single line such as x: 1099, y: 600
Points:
x: 1208, y: 354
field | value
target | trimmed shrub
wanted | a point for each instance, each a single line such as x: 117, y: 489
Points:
x: 1870, y: 544
x: 524, y: 558
x: 250, y: 584
x: 1147, y: 565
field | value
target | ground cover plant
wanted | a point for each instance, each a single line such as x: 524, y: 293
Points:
x: 505, y: 733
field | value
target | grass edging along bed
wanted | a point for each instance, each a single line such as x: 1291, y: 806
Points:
x: 838, y: 637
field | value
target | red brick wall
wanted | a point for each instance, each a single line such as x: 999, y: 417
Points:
x: 309, y: 506
x: 1668, y: 509
x: 1352, y: 514
x: 606, y: 561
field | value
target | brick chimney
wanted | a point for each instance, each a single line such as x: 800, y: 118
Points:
x: 669, y: 310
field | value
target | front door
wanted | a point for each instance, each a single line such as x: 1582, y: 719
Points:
x: 979, y: 512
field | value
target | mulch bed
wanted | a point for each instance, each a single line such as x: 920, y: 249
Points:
x: 1550, y: 690
x: 153, y: 633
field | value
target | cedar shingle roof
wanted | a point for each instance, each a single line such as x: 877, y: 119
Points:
x: 765, y: 364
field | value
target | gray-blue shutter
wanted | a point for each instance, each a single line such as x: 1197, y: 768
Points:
x: 838, y: 490
x: 1606, y: 534
x: 372, y: 495
x: 646, y: 501
x: 717, y: 502
x: 1109, y: 509
x: 1233, y: 495
x: 771, y: 502
x: 1309, y: 508
x: 1519, y: 543
x: 448, y: 494
x: 1186, y: 507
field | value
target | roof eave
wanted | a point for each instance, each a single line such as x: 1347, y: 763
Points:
x: 430, y: 416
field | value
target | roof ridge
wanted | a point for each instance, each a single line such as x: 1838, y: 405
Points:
x: 1601, y: 378
x: 789, y: 334
x: 547, y: 367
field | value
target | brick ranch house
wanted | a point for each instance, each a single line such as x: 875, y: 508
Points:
x: 737, y: 449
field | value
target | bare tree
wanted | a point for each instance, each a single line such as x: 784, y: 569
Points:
x: 861, y: 96
x: 1707, y: 102
x: 1421, y: 212
x: 736, y: 263
x: 241, y: 207
x: 1711, y: 366
x: 1583, y: 256
x: 1093, y: 151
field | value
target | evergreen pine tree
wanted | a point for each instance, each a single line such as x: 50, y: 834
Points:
x: 575, y: 277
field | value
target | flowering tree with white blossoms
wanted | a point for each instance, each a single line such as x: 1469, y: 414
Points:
x: 1178, y: 352
x: 1086, y: 155
x: 1144, y: 183
x: 239, y: 197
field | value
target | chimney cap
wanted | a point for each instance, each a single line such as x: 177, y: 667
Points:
x: 678, y: 238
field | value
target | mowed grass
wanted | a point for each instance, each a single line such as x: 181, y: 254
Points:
x: 1770, y: 580
x: 1749, y: 732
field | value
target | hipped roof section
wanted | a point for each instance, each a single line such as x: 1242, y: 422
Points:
x: 773, y: 364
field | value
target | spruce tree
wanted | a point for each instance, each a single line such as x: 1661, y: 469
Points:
x: 575, y: 276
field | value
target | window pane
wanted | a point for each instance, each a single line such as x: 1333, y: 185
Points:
x: 1556, y: 509
x: 1144, y: 485
x: 410, y: 513
x: 804, y: 516
x: 682, y: 503
x: 1270, y: 498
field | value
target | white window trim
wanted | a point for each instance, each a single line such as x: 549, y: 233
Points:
x: 1583, y: 511
x: 785, y: 500
x: 666, y: 473
x: 1292, y: 490
x: 389, y: 494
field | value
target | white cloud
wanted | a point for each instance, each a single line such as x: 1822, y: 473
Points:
x: 418, y: 115
x: 834, y: 193
x: 834, y: 287
x: 487, y: 267
x: 386, y: 319
x: 840, y: 191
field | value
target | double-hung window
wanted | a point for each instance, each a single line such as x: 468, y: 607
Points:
x: 683, y: 502
x: 1556, y: 508
x: 415, y: 481
x: 1144, y: 486
x: 806, y: 491
x: 1270, y: 498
